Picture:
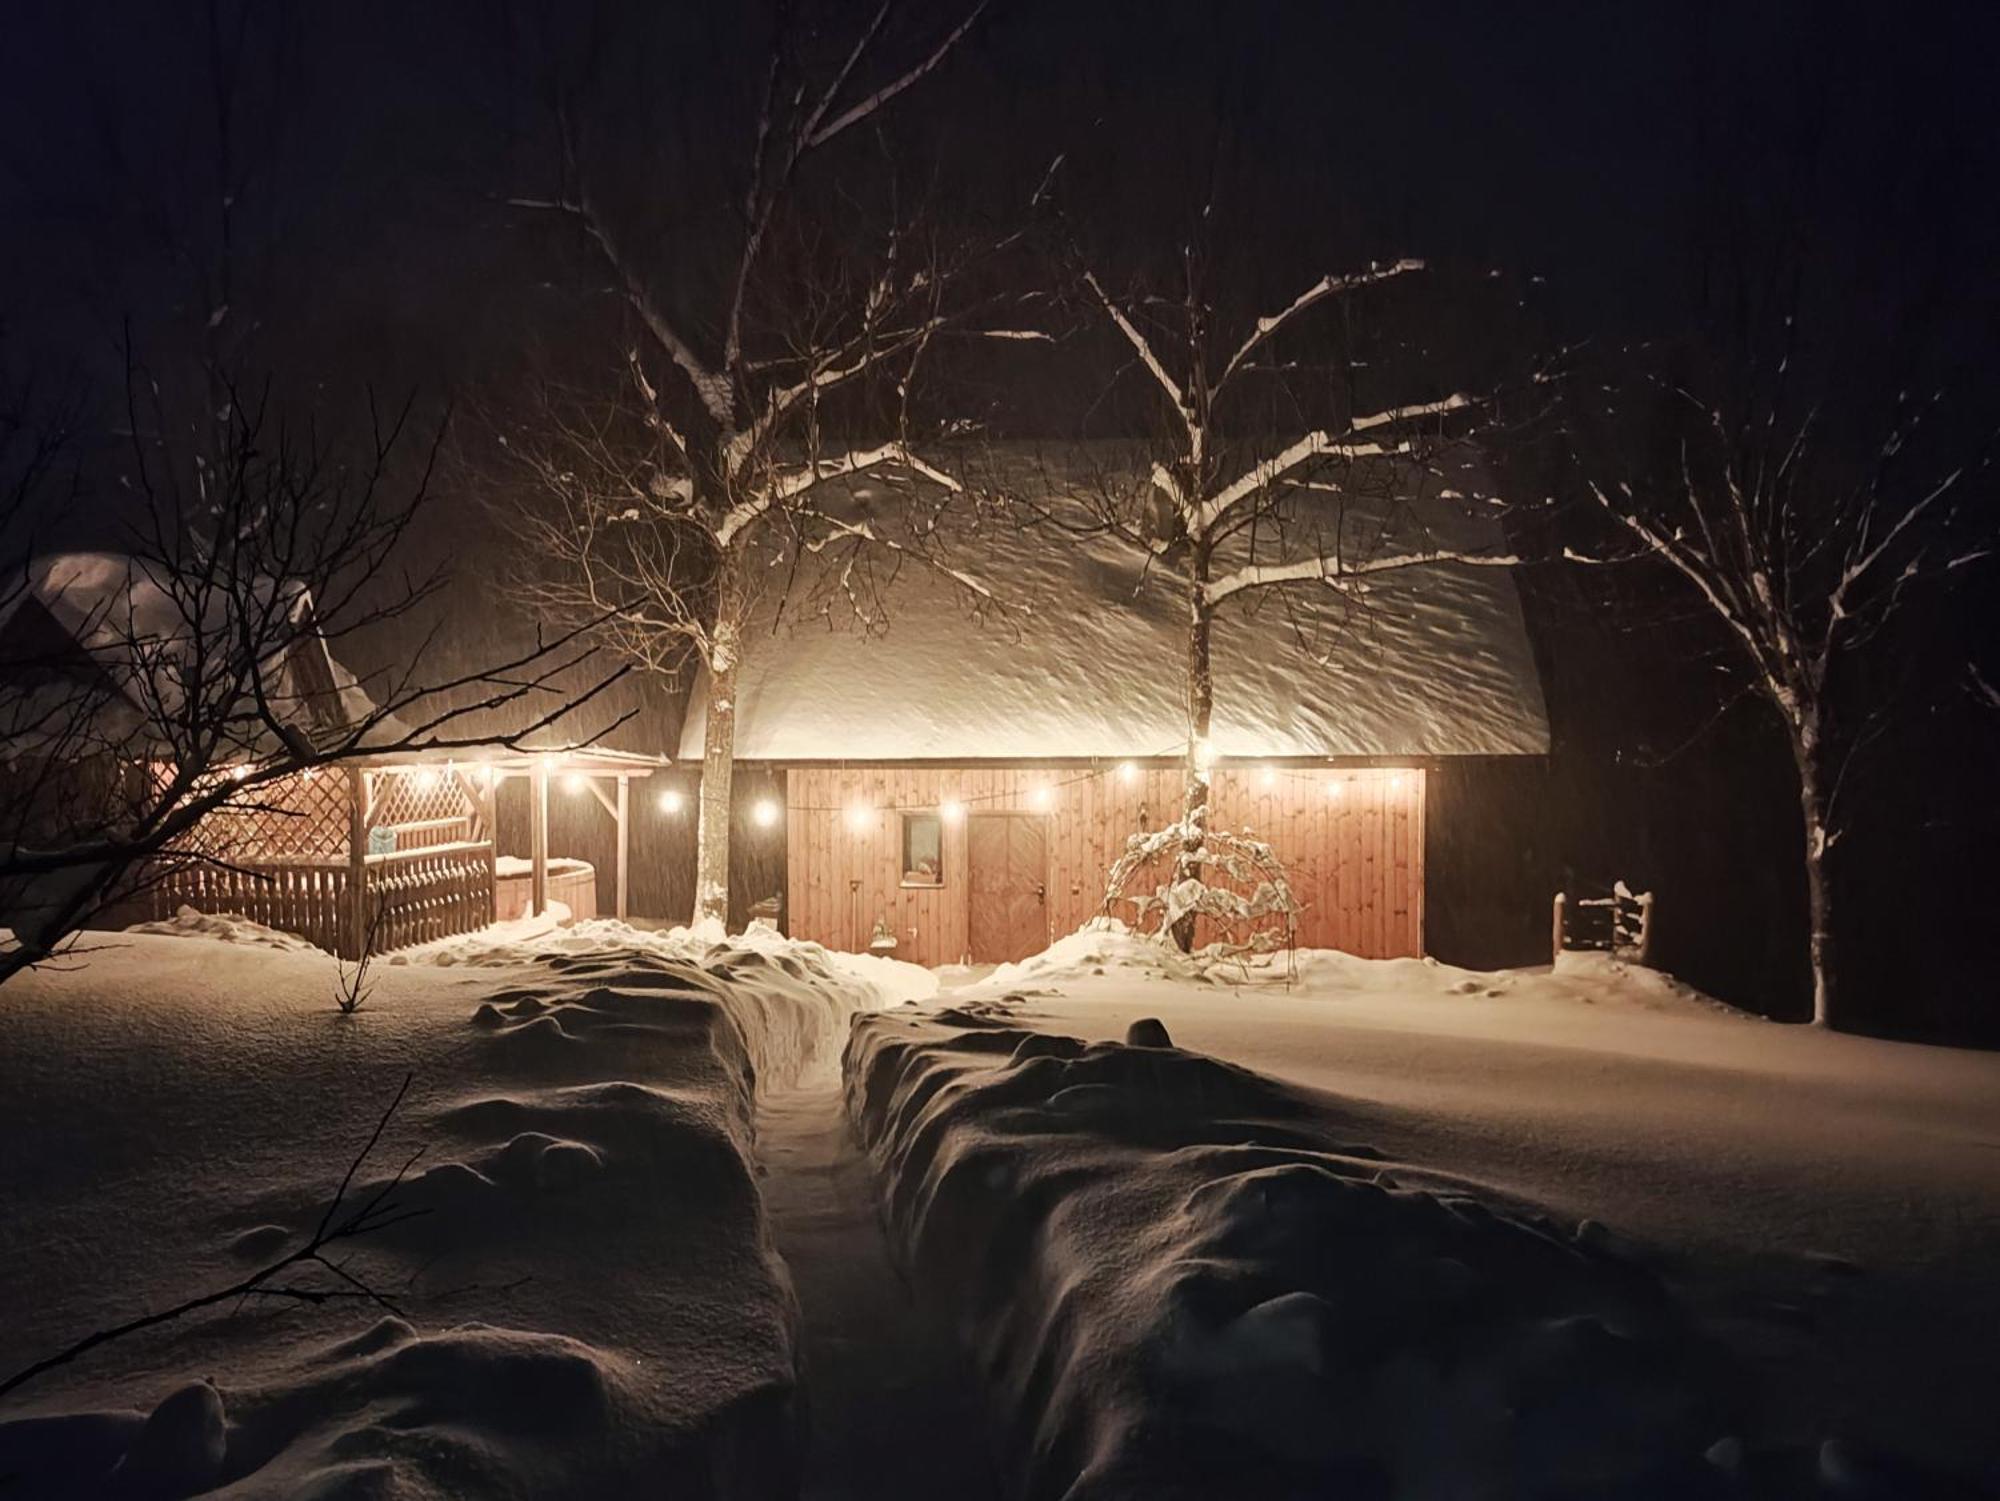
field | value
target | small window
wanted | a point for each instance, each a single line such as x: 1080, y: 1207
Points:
x: 923, y: 850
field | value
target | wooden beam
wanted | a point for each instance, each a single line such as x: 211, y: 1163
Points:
x: 354, y: 911
x: 624, y: 839
x: 538, y: 836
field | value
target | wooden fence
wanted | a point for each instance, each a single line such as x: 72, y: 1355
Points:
x: 409, y: 896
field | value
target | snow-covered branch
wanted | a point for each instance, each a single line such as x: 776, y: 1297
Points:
x: 819, y: 131
x: 1202, y: 515
x: 1325, y: 287
x: 1332, y: 569
x: 1144, y: 349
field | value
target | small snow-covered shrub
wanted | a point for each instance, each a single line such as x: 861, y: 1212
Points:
x: 1235, y: 885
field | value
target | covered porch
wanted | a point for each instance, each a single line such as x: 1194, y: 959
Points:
x: 380, y: 854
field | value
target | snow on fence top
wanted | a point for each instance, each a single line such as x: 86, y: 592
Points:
x: 1077, y: 650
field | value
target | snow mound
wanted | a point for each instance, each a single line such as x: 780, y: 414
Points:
x: 530, y: 940
x: 587, y: 1298
x: 224, y: 927
x: 1181, y: 1279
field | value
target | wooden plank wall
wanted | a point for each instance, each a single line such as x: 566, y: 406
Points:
x: 1352, y: 837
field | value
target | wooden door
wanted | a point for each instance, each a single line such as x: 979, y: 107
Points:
x: 1007, y: 885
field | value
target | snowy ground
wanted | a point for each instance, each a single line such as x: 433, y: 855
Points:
x: 591, y: 1303
x: 1823, y: 1212
x: 1459, y: 1235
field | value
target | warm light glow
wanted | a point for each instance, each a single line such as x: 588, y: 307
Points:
x: 427, y: 780
x: 1127, y: 773
x: 1041, y: 797
x: 951, y: 810
x: 306, y: 775
x: 1396, y: 782
x: 764, y: 813
x: 1204, y: 754
x: 573, y: 782
x: 859, y: 817
x: 1337, y: 788
x: 238, y: 773
x: 671, y: 800
x: 1268, y: 777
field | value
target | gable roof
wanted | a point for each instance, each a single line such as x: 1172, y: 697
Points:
x: 1081, y: 655
x: 111, y: 623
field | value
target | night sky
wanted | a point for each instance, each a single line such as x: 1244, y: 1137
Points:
x: 1632, y: 171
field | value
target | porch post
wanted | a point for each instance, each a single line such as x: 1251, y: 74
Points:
x: 354, y: 911
x: 538, y: 823
x: 624, y: 840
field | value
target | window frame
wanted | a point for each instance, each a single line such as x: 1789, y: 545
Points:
x: 903, y: 875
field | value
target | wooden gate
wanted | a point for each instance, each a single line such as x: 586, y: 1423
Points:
x: 1008, y: 885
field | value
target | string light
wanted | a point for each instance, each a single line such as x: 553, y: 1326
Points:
x: 1041, y: 796
x: 764, y: 813
x: 427, y: 780
x: 859, y: 817
x: 951, y: 810
x: 1204, y: 754
x: 573, y: 782
x: 1128, y: 772
x: 671, y: 800
x: 1268, y: 777
x: 1336, y: 788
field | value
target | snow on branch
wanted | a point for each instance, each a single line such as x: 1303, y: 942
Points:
x: 1325, y: 287
x: 1335, y: 570
x: 818, y: 131
x: 1144, y: 349
x: 1203, y: 515
x: 710, y: 386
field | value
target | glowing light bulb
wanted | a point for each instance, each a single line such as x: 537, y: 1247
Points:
x: 859, y: 817
x: 1127, y: 773
x: 574, y: 782
x: 1396, y: 782
x: 1337, y: 789
x: 1268, y: 777
x: 671, y: 801
x: 1204, y: 754
x: 951, y: 810
x: 764, y: 813
x: 1041, y: 797
x: 427, y: 780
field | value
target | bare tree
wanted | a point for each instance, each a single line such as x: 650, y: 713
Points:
x: 1804, y: 554
x: 190, y: 672
x: 1244, y: 496
x: 653, y: 506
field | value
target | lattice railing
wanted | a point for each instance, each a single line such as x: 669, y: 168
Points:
x: 427, y: 806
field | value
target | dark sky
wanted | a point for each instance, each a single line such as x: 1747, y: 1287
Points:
x: 1602, y: 148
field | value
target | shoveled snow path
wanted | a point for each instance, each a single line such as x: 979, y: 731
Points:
x: 892, y: 1409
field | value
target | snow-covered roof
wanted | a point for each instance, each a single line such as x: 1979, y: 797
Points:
x: 1080, y: 654
x: 135, y: 626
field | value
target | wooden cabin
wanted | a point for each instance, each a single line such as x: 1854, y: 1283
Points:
x: 962, y: 779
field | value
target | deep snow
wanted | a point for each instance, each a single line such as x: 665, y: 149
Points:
x: 1823, y: 1207
x: 593, y: 1304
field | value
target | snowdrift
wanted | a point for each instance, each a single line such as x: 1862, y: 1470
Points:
x: 586, y: 1298
x: 1180, y: 1279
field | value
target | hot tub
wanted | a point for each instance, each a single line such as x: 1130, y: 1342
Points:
x: 571, y: 882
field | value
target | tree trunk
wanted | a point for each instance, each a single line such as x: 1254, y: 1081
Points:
x: 1198, y: 766
x: 1819, y: 885
x: 718, y: 747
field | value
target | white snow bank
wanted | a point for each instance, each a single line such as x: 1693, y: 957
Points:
x: 224, y: 927
x: 888, y: 982
x: 588, y: 1300
x: 1181, y: 1279
x: 1827, y: 1204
